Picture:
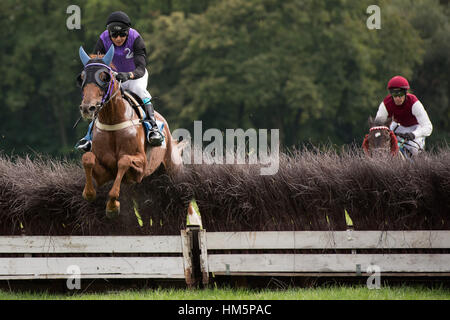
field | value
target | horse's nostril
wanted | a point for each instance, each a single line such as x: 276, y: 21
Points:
x: 81, y: 108
x: 92, y: 108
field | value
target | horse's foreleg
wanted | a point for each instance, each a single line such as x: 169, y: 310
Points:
x: 123, y: 165
x: 88, y: 161
x: 113, y: 205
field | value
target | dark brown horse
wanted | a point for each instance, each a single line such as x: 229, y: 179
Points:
x: 380, y: 140
x: 119, y: 151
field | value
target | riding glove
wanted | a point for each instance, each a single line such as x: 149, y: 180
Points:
x: 123, y: 76
x: 408, y: 136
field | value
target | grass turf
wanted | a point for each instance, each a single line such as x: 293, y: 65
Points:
x: 340, y: 292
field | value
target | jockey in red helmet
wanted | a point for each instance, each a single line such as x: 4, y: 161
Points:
x: 409, y: 118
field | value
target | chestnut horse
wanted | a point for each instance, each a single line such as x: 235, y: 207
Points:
x: 119, y: 150
x: 380, y: 140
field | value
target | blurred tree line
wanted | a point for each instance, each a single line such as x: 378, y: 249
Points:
x: 310, y: 68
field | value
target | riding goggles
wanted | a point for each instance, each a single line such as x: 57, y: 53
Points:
x: 397, y: 93
x: 115, y: 34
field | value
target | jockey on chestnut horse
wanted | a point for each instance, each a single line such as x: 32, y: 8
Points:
x: 117, y: 148
x: 130, y: 62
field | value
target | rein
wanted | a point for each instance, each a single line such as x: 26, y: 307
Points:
x: 103, y: 102
x: 117, y: 126
x: 406, y: 142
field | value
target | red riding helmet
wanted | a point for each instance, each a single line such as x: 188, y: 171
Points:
x: 398, y: 82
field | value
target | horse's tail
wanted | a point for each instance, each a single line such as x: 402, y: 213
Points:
x: 174, y: 159
x: 176, y: 152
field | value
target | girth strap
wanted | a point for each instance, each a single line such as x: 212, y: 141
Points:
x: 117, y: 126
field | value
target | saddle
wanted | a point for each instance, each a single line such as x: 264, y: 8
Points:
x: 138, y: 106
x: 135, y: 101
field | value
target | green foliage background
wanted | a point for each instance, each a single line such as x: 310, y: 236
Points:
x: 310, y: 68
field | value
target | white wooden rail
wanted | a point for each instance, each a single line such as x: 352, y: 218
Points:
x: 328, y: 240
x: 315, y: 263
x: 108, y: 263
x: 90, y: 244
x: 225, y: 253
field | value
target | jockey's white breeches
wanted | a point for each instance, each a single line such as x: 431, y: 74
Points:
x: 138, y: 86
x: 412, y: 146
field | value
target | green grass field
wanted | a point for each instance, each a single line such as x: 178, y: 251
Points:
x: 321, y: 293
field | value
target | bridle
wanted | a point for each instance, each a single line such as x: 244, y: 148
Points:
x: 393, y: 139
x: 105, y: 87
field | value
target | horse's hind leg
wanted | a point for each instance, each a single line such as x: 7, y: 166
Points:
x: 124, y: 163
x: 88, y: 161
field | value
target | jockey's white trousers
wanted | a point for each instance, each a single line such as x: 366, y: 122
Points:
x: 416, y: 144
x: 138, y: 86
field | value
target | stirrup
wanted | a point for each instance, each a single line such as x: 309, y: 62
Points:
x: 84, y: 144
x: 152, y: 140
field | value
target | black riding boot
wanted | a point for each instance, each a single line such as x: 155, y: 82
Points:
x: 154, y: 137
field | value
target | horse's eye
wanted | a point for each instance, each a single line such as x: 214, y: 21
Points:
x: 104, y: 76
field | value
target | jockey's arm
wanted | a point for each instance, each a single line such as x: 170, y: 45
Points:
x: 382, y: 113
x: 139, y: 56
x: 425, y: 127
x: 382, y: 116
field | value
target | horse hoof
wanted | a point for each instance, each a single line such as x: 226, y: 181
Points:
x: 113, y: 212
x: 89, y: 197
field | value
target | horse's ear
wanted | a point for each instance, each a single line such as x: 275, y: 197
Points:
x: 370, y: 122
x: 109, y: 56
x: 388, y: 122
x: 83, y: 56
